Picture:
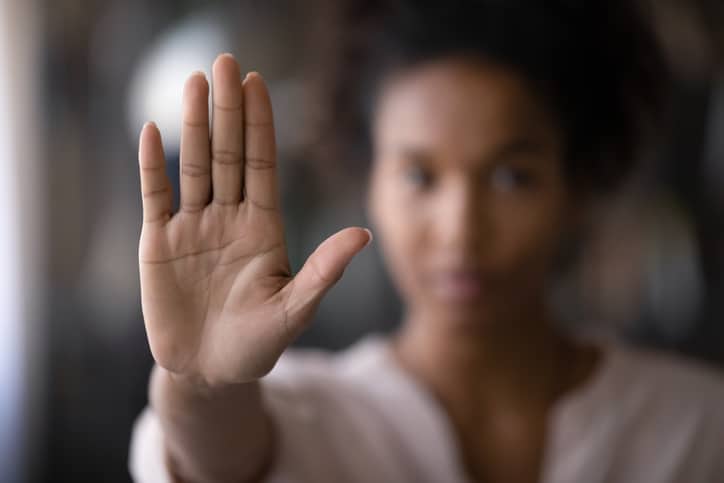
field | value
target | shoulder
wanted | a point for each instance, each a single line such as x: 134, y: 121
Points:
x: 668, y: 379
x: 643, y: 410
x: 659, y: 400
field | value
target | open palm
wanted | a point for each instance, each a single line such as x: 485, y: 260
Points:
x: 219, y: 301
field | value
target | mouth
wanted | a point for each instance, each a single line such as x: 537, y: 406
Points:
x: 458, y: 286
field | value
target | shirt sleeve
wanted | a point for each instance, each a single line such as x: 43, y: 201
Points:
x: 147, y: 462
x: 301, y: 447
x: 147, y: 458
x: 326, y: 429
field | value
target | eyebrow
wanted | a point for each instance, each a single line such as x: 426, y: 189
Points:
x: 416, y: 154
x: 515, y: 147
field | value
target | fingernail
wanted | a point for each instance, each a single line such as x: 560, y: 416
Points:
x: 199, y: 72
x: 253, y: 73
x: 150, y: 124
x: 371, y: 237
x: 227, y: 54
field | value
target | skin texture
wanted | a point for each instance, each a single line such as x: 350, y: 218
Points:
x: 468, y: 198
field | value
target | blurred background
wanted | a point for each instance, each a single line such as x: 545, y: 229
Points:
x: 79, y: 78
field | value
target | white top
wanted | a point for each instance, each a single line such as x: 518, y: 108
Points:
x: 356, y: 416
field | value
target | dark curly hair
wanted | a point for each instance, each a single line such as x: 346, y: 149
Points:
x: 595, y: 63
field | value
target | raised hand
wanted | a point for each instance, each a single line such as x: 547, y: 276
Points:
x: 219, y: 301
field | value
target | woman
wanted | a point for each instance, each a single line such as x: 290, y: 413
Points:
x: 493, y: 125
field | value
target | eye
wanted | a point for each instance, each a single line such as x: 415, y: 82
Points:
x: 506, y: 178
x: 418, y: 177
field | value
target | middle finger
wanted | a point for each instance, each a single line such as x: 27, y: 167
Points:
x: 227, y: 131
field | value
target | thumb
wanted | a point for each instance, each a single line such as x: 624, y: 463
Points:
x: 320, y: 272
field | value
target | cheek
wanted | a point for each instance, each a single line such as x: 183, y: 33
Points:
x: 527, y: 236
x: 400, y: 232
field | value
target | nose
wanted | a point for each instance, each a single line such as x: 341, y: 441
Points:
x: 459, y: 221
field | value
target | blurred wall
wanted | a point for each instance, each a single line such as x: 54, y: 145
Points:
x: 22, y: 204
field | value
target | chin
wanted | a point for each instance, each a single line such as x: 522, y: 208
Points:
x: 474, y: 316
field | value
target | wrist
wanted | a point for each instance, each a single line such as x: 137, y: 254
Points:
x: 166, y: 386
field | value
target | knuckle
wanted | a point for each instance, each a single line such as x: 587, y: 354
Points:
x: 259, y: 163
x: 154, y: 193
x: 226, y: 157
x: 194, y: 170
x: 196, y: 123
x: 321, y: 278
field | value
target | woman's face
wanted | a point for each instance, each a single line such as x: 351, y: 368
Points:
x: 466, y: 192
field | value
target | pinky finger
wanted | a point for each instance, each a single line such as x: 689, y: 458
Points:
x: 155, y: 185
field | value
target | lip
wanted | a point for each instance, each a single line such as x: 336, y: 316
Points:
x: 458, y: 286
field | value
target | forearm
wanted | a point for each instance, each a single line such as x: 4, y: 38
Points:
x: 212, y: 436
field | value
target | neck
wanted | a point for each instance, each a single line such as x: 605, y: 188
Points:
x: 519, y: 361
